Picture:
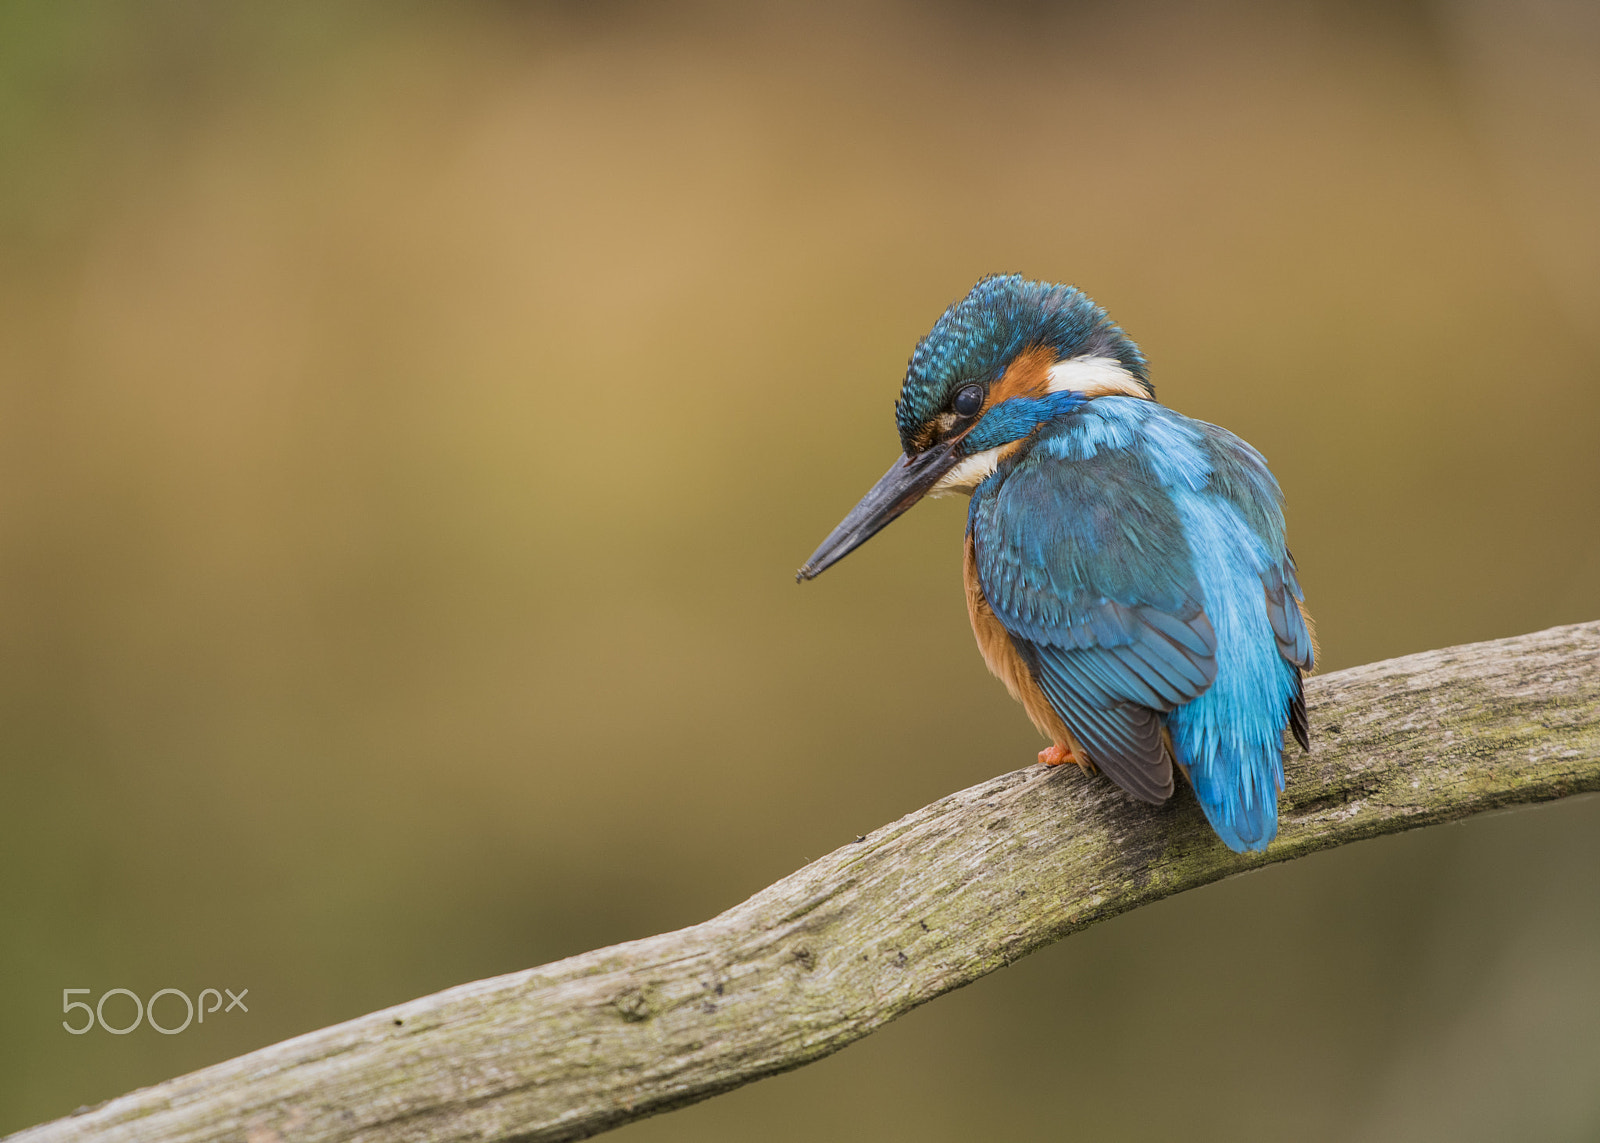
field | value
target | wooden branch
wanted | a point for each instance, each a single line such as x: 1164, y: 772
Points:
x: 879, y: 926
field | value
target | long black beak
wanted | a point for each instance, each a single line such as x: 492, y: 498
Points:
x: 906, y: 482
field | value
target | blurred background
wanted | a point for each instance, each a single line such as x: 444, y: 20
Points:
x: 411, y: 417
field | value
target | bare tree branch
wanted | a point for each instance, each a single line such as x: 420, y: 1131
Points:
x: 922, y: 906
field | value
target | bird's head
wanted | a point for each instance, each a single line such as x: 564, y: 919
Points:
x: 1009, y: 357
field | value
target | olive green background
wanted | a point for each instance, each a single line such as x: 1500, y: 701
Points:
x: 411, y: 418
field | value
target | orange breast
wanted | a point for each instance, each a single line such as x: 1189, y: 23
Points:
x: 1005, y: 662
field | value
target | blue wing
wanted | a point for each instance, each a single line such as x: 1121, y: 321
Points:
x: 1085, y: 563
x: 1133, y: 555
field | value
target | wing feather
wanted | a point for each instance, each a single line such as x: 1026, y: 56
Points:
x: 1086, y: 565
x: 1081, y: 554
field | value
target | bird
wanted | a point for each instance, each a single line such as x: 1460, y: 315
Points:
x: 1126, y: 567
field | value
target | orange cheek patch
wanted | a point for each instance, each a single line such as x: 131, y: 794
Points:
x: 1028, y: 375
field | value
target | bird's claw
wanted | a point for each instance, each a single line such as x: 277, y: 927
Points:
x: 1058, y: 755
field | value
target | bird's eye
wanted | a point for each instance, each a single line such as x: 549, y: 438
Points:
x: 969, y: 399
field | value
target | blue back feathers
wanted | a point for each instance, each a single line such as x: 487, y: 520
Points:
x: 1137, y: 558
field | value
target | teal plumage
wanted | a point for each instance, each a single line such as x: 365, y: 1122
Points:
x: 1134, y: 558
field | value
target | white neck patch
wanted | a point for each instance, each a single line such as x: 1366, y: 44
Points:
x: 1094, y: 377
x: 971, y: 472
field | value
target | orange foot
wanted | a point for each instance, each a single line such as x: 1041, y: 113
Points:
x: 1057, y: 755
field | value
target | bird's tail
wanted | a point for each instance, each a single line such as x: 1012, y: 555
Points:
x: 1238, y: 790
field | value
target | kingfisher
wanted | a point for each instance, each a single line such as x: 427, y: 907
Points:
x: 1126, y: 570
